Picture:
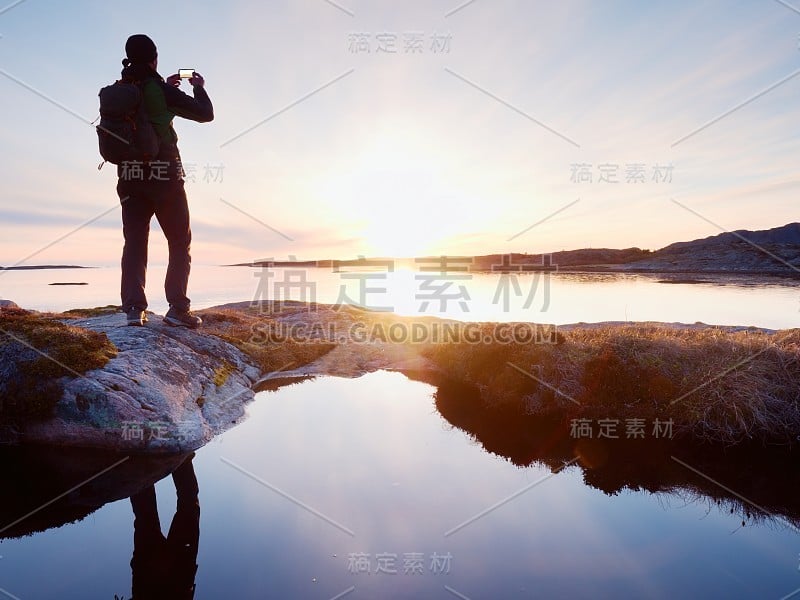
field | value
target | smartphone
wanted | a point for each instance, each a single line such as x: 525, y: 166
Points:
x: 185, y: 73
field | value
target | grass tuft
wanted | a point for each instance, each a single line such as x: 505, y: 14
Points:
x: 39, y: 350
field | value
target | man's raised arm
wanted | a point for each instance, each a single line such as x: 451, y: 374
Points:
x: 198, y: 108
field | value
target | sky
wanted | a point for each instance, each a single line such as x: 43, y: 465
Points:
x: 425, y: 127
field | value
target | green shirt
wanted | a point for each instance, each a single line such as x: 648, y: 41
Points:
x: 159, y: 113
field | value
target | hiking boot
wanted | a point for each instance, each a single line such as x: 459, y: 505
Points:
x: 182, y: 318
x: 136, y: 317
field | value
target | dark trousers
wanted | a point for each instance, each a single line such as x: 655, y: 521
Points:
x: 167, y: 201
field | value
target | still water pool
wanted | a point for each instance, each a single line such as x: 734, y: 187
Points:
x: 385, y: 487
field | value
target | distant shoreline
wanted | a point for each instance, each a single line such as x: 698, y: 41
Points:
x: 682, y: 276
x: 41, y: 267
x: 772, y: 252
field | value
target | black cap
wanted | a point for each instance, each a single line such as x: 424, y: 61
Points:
x: 140, y: 49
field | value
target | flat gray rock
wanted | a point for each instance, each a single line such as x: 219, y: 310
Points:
x: 169, y: 390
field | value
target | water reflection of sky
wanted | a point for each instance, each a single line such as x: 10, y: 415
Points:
x: 565, y: 298
x: 373, y: 455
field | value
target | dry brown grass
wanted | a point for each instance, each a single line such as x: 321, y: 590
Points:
x: 714, y: 384
x: 244, y: 329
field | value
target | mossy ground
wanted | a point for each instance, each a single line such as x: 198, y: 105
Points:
x: 222, y: 373
x: 85, y: 313
x: 44, y: 349
x: 237, y: 328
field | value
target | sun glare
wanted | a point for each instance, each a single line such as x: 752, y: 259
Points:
x: 394, y: 198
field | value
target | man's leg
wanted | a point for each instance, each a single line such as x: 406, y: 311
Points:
x: 184, y: 532
x: 148, y: 565
x: 172, y: 212
x: 137, y: 210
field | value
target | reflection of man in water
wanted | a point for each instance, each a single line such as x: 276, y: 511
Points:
x: 165, y: 567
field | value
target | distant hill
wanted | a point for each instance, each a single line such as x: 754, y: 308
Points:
x: 563, y: 258
x: 788, y: 234
x: 766, y: 252
x: 770, y: 251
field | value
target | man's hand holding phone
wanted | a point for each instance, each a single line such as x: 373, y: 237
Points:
x: 196, y: 79
x: 190, y: 74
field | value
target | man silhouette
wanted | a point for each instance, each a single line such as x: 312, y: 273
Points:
x: 156, y: 187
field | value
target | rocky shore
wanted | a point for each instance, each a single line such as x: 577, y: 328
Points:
x: 96, y: 383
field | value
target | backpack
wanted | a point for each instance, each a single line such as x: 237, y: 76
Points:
x: 124, y: 133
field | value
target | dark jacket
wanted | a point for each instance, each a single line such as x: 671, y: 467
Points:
x: 165, y: 102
